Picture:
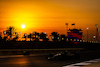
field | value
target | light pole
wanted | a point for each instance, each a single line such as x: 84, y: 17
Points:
x: 87, y: 33
x: 96, y: 32
x: 94, y: 37
x: 66, y: 27
x: 99, y: 37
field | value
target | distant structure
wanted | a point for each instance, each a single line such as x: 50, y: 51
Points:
x: 75, y: 35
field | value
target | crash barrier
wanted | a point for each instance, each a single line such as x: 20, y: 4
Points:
x: 33, y: 51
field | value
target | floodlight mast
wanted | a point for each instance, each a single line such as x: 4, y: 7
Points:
x: 66, y: 27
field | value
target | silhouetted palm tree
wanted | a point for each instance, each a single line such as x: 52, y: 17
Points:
x: 9, y: 32
x: 35, y: 36
x: 55, y: 36
x: 30, y: 36
x: 25, y: 36
x: 44, y: 37
x: 63, y: 37
x: 16, y: 36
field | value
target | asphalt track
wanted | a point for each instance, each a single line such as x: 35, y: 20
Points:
x: 40, y: 60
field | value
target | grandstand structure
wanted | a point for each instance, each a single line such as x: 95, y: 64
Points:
x: 75, y: 35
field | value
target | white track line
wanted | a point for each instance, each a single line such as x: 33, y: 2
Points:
x: 71, y: 66
x: 83, y: 63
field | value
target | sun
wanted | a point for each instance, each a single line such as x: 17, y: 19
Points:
x: 22, y: 26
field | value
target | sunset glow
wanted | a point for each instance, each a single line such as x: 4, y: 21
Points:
x: 50, y: 15
x: 23, y: 26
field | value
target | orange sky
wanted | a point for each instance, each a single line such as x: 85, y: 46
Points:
x: 50, y: 15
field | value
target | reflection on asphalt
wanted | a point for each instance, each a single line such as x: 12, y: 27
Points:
x: 11, y: 56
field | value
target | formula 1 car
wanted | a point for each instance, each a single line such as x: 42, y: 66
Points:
x: 64, y: 55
